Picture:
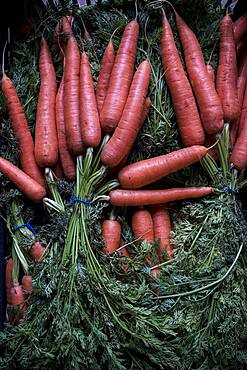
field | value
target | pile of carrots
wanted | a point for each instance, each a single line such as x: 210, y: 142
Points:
x: 75, y: 116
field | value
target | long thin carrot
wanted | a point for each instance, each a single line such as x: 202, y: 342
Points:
x: 89, y: 117
x: 129, y: 126
x: 240, y: 27
x: 72, y: 96
x: 111, y: 233
x: 187, y: 116
x: 31, y: 188
x: 124, y: 198
x: 120, y: 79
x: 21, y: 131
x: 66, y: 158
x: 162, y: 229
x: 203, y: 86
x: 104, y: 75
x: 226, y: 81
x: 46, y: 144
x: 147, y: 171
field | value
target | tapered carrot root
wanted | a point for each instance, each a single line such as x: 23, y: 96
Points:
x: 31, y: 188
x: 89, y: 117
x: 162, y: 229
x: 37, y: 251
x: 124, y: 136
x: 66, y: 158
x: 124, y: 198
x: 111, y: 233
x: 203, y: 86
x: 147, y: 171
x: 46, y: 145
x: 120, y: 79
x: 104, y: 75
x: 226, y: 81
x: 187, y: 116
x: 240, y: 27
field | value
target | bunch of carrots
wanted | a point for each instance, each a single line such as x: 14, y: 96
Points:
x: 75, y: 118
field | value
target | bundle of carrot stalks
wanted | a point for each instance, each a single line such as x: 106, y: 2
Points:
x: 137, y: 260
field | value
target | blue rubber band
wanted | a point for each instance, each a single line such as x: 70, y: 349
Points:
x: 28, y: 226
x: 229, y: 189
x: 74, y: 200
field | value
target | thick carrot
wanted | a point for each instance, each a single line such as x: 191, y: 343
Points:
x: 210, y: 70
x: 8, y: 273
x: 240, y: 27
x: 147, y: 171
x: 72, y: 96
x: 162, y: 229
x: 205, y: 92
x: 227, y: 74
x: 27, y: 284
x: 28, y: 186
x: 129, y: 126
x: 124, y: 198
x: 104, y: 75
x: 21, y: 131
x: 142, y: 225
x: 187, y: 116
x: 66, y: 158
x: 46, y: 145
x: 111, y: 233
x: 37, y: 251
x: 120, y: 79
x: 89, y: 117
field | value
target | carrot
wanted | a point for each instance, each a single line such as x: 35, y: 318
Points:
x: 147, y: 171
x: 46, y: 145
x: 89, y: 117
x: 120, y: 79
x: 162, y: 229
x: 28, y: 186
x: 21, y: 131
x: 226, y: 80
x: 129, y: 126
x: 71, y: 96
x: 8, y: 273
x: 187, y: 116
x: 67, y: 23
x: 111, y: 233
x: 27, y: 284
x: 37, y: 251
x: 66, y: 158
x: 240, y: 27
x: 210, y: 70
x: 205, y: 92
x: 142, y: 225
x: 16, y: 296
x: 104, y: 75
x: 124, y: 198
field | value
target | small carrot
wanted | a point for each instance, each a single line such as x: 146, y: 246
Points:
x: 111, y: 233
x: 104, y: 75
x: 124, y: 198
x: 46, y: 145
x: 162, y: 229
x: 31, y: 188
x: 66, y: 158
x: 37, y: 251
x: 27, y: 284
x: 129, y: 126
x: 16, y: 295
x: 89, y: 117
x: 187, y: 116
x: 205, y: 92
x: 142, y: 225
x: 147, y: 171
x: 226, y: 81
x: 240, y: 27
x: 120, y: 79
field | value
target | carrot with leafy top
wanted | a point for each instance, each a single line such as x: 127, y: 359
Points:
x: 162, y: 228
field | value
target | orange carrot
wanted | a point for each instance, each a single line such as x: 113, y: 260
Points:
x: 46, y: 145
x: 104, y: 75
x: 124, y: 198
x: 147, y: 171
x: 142, y: 225
x: 226, y: 81
x: 37, y: 251
x: 27, y: 284
x: 203, y: 86
x: 16, y: 296
x: 129, y: 126
x: 71, y: 96
x: 8, y: 273
x: 67, y: 160
x: 240, y: 27
x: 21, y: 131
x: 187, y: 116
x: 120, y: 79
x: 31, y: 188
x: 67, y: 23
x: 162, y: 229
x: 111, y: 233
x: 89, y: 117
